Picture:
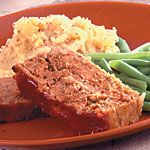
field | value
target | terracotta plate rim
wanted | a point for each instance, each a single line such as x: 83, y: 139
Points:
x: 75, y: 3
x: 91, y: 138
x: 118, y: 132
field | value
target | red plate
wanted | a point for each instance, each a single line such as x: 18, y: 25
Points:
x: 132, y: 23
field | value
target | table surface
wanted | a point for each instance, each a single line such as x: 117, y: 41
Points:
x: 138, y: 141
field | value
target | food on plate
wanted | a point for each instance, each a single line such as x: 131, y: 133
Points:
x: 34, y: 35
x: 114, y: 56
x: 56, y: 61
x: 129, y: 70
x: 66, y: 85
x: 143, y: 48
x: 14, y: 107
x: 146, y: 106
x: 144, y: 70
x: 123, y: 46
x: 131, y: 67
x: 131, y: 81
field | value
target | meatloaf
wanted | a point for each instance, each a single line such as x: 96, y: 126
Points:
x: 68, y: 86
x: 14, y: 107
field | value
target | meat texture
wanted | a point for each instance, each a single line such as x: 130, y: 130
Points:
x: 68, y: 86
x: 13, y: 107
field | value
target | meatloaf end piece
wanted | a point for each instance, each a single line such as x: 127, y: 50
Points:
x: 13, y: 107
x: 69, y: 87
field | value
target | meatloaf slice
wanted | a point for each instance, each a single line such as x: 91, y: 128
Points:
x: 13, y: 107
x: 69, y: 87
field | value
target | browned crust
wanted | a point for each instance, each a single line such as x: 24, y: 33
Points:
x: 13, y: 107
x: 105, y: 94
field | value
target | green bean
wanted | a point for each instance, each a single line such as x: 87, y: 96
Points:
x: 147, y: 96
x: 122, y: 74
x: 129, y: 70
x: 137, y: 62
x: 144, y: 70
x: 123, y: 46
x: 114, y: 56
x: 146, y: 106
x: 143, y: 48
x: 134, y: 82
x: 148, y: 59
x: 104, y: 65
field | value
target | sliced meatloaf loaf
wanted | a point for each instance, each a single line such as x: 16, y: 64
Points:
x: 13, y: 107
x: 69, y: 87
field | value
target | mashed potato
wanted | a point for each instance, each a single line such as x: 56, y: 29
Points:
x: 35, y: 35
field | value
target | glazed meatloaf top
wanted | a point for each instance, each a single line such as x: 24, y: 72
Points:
x: 13, y: 107
x: 71, y: 79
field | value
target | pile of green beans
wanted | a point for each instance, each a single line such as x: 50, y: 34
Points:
x: 131, y: 67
